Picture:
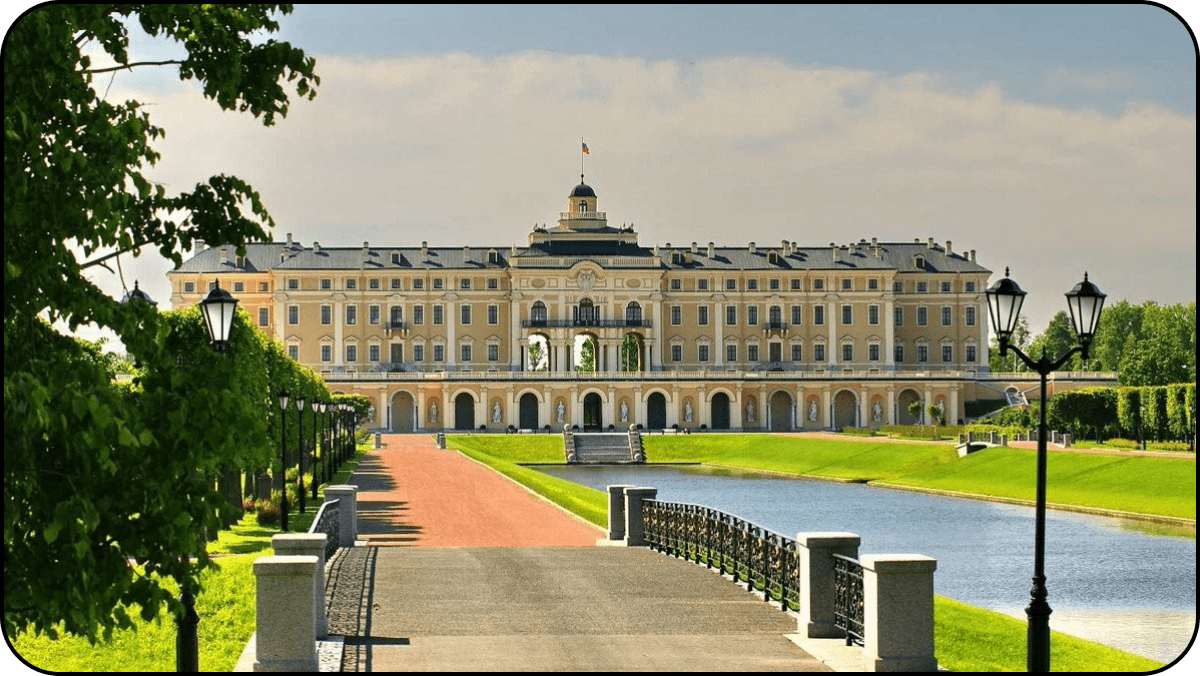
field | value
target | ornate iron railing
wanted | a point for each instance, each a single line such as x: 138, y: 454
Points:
x: 848, y: 598
x: 327, y: 522
x: 764, y: 560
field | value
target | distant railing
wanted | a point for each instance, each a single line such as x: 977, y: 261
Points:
x: 848, y: 613
x: 764, y: 560
x: 327, y: 521
x: 571, y: 323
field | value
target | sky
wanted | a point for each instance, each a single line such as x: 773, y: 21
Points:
x: 1052, y: 140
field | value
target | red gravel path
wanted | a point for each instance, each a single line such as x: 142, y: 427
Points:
x: 413, y: 494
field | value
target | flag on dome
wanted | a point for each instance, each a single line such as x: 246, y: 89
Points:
x: 585, y: 149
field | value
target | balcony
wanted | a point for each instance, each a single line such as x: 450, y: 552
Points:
x: 584, y: 323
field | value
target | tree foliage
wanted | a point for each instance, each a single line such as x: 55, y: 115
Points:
x: 98, y: 476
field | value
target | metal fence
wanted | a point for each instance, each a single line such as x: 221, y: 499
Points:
x: 764, y: 560
x: 848, y: 598
x: 327, y: 522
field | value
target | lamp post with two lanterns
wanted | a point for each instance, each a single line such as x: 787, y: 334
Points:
x: 1085, y: 302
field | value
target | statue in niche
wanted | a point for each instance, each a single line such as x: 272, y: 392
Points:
x: 624, y: 411
x: 496, y: 412
x: 433, y: 412
x: 562, y: 411
x: 812, y: 411
x: 877, y: 412
x: 687, y: 411
x: 750, y: 410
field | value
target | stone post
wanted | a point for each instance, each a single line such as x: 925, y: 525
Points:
x: 308, y: 544
x: 285, y: 638
x: 616, y: 512
x: 347, y: 497
x: 898, y: 612
x: 635, y: 532
x: 815, y: 553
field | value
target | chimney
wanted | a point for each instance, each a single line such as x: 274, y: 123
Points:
x: 931, y: 244
x: 972, y: 255
x: 949, y: 249
x: 466, y: 253
x: 224, y: 255
x: 513, y: 251
x: 198, y: 246
x: 752, y: 247
x: 366, y: 249
x: 289, y: 240
x: 316, y: 247
x: 874, y: 241
x: 424, y: 249
x: 833, y: 247
x: 712, y: 249
x: 693, y: 247
x: 656, y: 250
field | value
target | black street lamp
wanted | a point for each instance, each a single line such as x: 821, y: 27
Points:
x: 315, y: 405
x: 300, y: 448
x: 218, y: 309
x: 283, y: 505
x: 1085, y: 302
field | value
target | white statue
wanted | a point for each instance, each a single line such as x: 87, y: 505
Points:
x: 496, y: 412
x: 812, y: 411
x: 433, y: 412
x: 750, y: 410
x: 624, y: 411
x: 877, y: 412
x: 687, y: 411
x: 562, y: 411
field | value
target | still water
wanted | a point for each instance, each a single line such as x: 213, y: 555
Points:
x: 1107, y: 583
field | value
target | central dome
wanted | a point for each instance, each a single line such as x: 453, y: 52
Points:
x: 583, y: 190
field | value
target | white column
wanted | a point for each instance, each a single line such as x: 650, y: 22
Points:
x: 285, y: 619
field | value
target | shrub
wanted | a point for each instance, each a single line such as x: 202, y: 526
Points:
x: 267, y: 512
x: 1126, y: 444
x: 858, y: 431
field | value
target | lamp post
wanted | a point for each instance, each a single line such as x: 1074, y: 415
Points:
x: 316, y: 405
x: 1085, y: 302
x: 300, y: 448
x: 283, y: 505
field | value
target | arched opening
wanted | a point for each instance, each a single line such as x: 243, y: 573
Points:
x: 537, y: 353
x: 904, y: 402
x: 585, y: 354
x: 633, y: 314
x: 537, y: 314
x: 402, y: 413
x: 586, y: 313
x: 720, y: 411
x: 781, y: 412
x: 631, y: 353
x: 464, y: 412
x: 656, y: 411
x: 528, y: 411
x: 845, y: 410
x: 592, y: 414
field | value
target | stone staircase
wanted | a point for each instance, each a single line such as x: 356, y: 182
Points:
x: 598, y: 448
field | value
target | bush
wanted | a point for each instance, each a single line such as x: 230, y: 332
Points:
x: 1126, y: 444
x: 267, y: 512
x: 858, y: 431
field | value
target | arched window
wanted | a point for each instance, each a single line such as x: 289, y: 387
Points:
x: 582, y: 206
x: 537, y: 314
x: 775, y: 317
x: 586, y: 313
x: 633, y: 314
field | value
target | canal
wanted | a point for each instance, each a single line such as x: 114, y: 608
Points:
x: 1107, y: 582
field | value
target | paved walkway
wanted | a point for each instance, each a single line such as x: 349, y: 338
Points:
x: 465, y: 571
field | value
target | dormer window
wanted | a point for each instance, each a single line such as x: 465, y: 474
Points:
x: 582, y: 207
x: 919, y: 262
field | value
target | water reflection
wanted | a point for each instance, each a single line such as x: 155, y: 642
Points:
x: 1131, y: 590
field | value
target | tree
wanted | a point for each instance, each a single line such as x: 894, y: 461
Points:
x: 587, y: 356
x: 1020, y: 339
x: 95, y: 475
x: 1058, y: 339
x: 914, y: 409
x: 538, y: 355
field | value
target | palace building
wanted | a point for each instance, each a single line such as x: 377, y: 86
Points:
x: 584, y: 325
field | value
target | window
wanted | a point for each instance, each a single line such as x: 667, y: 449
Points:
x: 293, y: 284
x: 970, y: 318
x: 873, y: 352
x: 351, y: 353
x: 873, y: 315
x: 922, y: 287
x: 702, y: 353
x: 293, y: 315
x: 239, y: 287
x: 465, y: 353
x: 731, y: 285
x: 847, y: 285
x: 294, y: 352
x: 818, y: 284
x: 418, y: 314
x: 437, y: 283
x: 947, y: 353
x: 775, y: 317
x: 493, y: 314
x: 373, y: 315
x: 418, y: 353
x: 945, y: 287
x: 752, y: 284
x: 946, y: 316
x: 819, y: 352
x: 439, y: 353
x: 795, y: 285
x: 537, y: 314
x: 797, y: 352
x: 396, y: 283
x: 351, y: 315
x: 493, y: 352
x: 971, y: 353
x: 752, y: 352
x: 326, y: 353
x: 351, y: 284
x: 397, y: 316
x: 326, y: 284
x: 189, y: 287
x: 819, y: 315
x: 922, y: 353
x: 373, y: 353
x: 676, y: 353
x: 970, y: 287
x: 676, y: 315
x: 731, y: 353
x: 373, y: 283
x: 326, y: 314
x: 752, y: 315
x: 397, y: 352
x: 898, y: 287
x: 676, y: 285
x: 702, y: 284
x: 730, y: 315
x: 418, y: 284
x: 439, y: 315
x: 493, y: 283
x: 898, y: 316
x: 922, y: 316
x: 264, y: 287
x: 264, y: 316
x: 774, y: 284
x: 464, y: 313
x: 847, y: 315
x: 464, y: 283
x: 797, y: 315
x: 847, y: 353
x: 873, y: 284
x: 702, y: 315
x: 898, y: 353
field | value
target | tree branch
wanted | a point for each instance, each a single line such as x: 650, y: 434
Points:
x: 105, y: 257
x: 131, y: 65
